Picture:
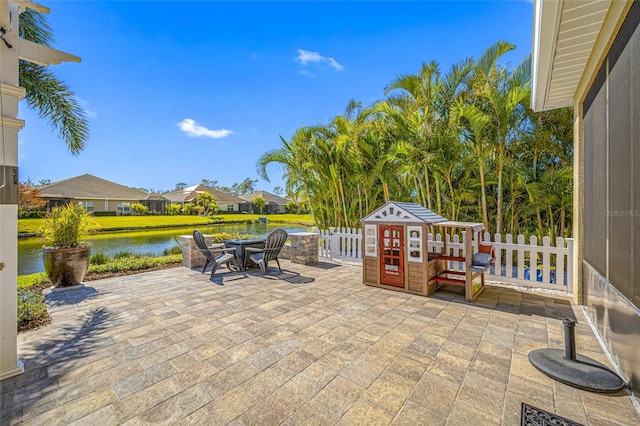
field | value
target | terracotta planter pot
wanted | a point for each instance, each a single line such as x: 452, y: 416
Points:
x: 66, y: 267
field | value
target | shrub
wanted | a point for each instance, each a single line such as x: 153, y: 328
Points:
x: 292, y: 207
x: 99, y: 259
x: 139, y: 208
x: 31, y: 214
x: 260, y: 203
x: 134, y: 263
x: 32, y: 279
x: 172, y: 250
x: 65, y: 226
x: 123, y: 254
x: 30, y: 305
x: 173, y: 209
x: 187, y: 208
x: 218, y: 238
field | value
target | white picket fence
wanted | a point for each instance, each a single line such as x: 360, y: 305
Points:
x: 341, y: 243
x: 517, y: 262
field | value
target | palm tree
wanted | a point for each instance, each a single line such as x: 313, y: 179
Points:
x: 47, y: 94
x: 478, y: 122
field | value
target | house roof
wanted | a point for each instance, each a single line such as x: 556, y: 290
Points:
x: 191, y: 193
x: 155, y: 197
x: 395, y: 211
x: 269, y: 197
x: 90, y: 187
x: 569, y: 41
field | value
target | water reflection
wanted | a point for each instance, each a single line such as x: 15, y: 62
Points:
x: 153, y: 242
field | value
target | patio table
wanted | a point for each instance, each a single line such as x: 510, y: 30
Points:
x: 241, y: 245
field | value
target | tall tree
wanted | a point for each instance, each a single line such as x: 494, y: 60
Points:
x: 29, y: 198
x: 213, y: 184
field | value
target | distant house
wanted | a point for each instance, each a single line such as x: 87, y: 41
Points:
x: 156, y: 203
x: 96, y: 195
x: 226, y: 202
x: 275, y: 204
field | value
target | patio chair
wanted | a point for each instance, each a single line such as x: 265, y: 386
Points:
x: 273, y: 245
x: 215, y: 255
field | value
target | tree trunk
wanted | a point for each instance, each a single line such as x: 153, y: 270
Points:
x: 419, y: 190
x: 540, y: 227
x: 498, y: 229
x: 454, y: 215
x: 438, y: 197
x: 427, y: 183
x: 483, y: 191
x: 385, y: 189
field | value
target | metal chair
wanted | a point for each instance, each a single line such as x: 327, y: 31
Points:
x: 213, y: 255
x: 273, y: 245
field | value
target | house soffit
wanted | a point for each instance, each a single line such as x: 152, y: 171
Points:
x: 565, y: 33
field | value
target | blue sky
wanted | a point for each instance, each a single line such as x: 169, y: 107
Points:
x: 181, y: 91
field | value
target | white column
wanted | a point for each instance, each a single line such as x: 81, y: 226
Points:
x: 13, y: 48
x: 10, y: 95
x: 578, y: 205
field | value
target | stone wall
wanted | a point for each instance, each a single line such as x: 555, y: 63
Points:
x: 191, y: 256
x: 304, y: 247
x: 285, y: 253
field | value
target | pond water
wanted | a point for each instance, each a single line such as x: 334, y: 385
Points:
x: 143, y: 242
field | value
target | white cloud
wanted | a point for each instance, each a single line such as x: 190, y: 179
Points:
x: 194, y: 130
x: 306, y: 73
x: 84, y: 104
x: 306, y: 57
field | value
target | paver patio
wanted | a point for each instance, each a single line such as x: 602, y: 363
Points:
x: 310, y: 346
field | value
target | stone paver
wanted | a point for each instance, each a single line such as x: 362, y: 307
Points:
x: 310, y: 346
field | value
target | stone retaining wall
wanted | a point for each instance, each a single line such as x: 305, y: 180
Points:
x: 191, y: 256
x: 303, y: 249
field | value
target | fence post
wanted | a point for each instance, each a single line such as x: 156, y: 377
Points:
x: 332, y: 242
x: 570, y: 286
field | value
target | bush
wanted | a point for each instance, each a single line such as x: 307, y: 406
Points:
x: 97, y: 214
x: 218, y: 238
x: 134, y: 263
x: 32, y: 214
x: 65, y: 226
x: 172, y: 250
x: 127, y: 254
x: 30, y: 305
x: 139, y: 208
x: 25, y: 281
x: 99, y: 259
x: 173, y: 209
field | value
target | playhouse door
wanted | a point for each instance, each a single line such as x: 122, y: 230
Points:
x: 391, y: 255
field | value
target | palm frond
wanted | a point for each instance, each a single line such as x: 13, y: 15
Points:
x: 55, y: 102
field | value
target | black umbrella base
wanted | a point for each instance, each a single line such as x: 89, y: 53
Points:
x: 583, y: 373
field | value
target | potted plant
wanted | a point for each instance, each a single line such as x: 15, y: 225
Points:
x: 66, y: 257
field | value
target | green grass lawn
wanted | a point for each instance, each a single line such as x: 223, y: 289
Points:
x: 106, y: 223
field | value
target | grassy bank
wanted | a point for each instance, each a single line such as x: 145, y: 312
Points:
x: 121, y: 223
